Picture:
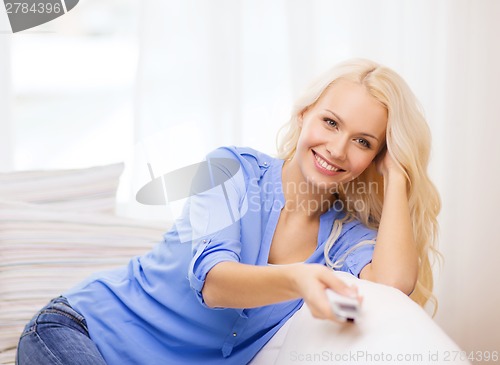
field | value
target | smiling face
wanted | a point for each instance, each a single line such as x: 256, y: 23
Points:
x: 340, y: 134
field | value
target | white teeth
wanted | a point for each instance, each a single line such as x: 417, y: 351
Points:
x: 325, y: 164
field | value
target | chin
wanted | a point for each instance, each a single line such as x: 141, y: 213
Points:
x: 323, y: 185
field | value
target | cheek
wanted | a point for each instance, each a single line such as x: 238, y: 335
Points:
x: 361, y: 161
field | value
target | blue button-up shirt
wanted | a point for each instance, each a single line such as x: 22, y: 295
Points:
x: 152, y: 311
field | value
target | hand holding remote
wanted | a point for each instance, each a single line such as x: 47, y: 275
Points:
x: 346, y: 309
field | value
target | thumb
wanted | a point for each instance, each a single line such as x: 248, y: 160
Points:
x: 338, y: 285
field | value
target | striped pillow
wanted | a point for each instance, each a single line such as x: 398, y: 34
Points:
x: 85, y: 190
x: 45, y: 251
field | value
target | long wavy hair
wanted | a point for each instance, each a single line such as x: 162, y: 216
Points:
x: 408, y: 141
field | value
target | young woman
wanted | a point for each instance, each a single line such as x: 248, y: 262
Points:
x: 246, y: 253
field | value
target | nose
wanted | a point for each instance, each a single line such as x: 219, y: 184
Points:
x: 338, y: 148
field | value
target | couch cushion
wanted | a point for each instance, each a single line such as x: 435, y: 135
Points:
x: 91, y: 189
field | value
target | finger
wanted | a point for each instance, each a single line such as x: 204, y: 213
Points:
x: 322, y: 306
x: 318, y: 303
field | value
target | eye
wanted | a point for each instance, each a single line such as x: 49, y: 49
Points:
x: 330, y: 122
x: 363, y: 142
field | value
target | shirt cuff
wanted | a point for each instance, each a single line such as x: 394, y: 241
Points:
x: 205, y: 259
x: 358, y: 259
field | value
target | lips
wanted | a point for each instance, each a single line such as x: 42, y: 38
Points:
x: 327, y: 165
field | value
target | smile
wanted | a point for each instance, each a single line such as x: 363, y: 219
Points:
x: 327, y: 166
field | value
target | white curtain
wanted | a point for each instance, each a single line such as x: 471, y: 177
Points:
x: 226, y: 72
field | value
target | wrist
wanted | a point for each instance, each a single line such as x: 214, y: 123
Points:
x: 292, y: 276
x: 394, y: 175
x: 395, y: 179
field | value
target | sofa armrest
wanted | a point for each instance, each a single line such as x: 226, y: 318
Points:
x: 392, y: 328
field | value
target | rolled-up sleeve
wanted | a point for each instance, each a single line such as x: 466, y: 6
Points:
x: 207, y: 255
x: 355, y: 248
x: 358, y: 259
x: 214, y: 220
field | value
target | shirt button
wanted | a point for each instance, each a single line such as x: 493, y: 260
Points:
x: 265, y: 164
x: 204, y: 241
x: 235, y: 334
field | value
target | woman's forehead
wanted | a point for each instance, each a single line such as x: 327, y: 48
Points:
x: 353, y: 103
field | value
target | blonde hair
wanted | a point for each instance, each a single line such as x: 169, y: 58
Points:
x: 408, y: 141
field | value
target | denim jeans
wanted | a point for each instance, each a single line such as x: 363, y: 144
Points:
x: 57, y: 335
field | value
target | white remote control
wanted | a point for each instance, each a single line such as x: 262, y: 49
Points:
x: 345, y: 308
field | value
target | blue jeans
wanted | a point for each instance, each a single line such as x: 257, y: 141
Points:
x: 57, y: 335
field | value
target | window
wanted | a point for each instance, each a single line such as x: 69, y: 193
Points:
x: 73, y: 87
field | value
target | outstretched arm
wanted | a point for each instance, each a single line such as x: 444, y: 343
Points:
x: 395, y: 259
x: 236, y: 285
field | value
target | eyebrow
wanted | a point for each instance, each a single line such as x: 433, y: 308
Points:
x: 342, y: 122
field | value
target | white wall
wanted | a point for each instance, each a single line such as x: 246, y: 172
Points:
x: 469, y: 152
x: 5, y: 95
